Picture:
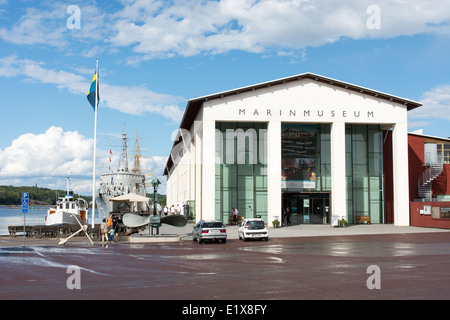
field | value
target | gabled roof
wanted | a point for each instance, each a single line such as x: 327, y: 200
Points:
x: 194, y: 105
x: 426, y: 136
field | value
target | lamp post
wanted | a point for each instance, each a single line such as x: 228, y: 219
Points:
x: 155, y: 220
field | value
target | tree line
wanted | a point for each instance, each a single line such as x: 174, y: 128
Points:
x: 10, y: 195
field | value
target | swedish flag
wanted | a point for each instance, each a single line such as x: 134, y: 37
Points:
x: 93, y: 92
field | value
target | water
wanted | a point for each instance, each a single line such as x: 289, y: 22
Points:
x: 35, y: 216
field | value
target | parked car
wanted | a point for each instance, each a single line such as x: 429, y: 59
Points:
x: 253, y: 229
x: 209, y: 231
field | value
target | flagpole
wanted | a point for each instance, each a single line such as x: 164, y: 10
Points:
x: 95, y: 145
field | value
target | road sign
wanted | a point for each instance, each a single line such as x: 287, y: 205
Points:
x: 25, y: 202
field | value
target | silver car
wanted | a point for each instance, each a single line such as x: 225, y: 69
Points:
x: 209, y: 230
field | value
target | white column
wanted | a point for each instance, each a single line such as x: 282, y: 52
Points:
x: 400, y: 174
x: 198, y: 175
x: 274, y: 170
x: 191, y: 181
x: 338, y: 185
x: 168, y: 189
x: 208, y: 169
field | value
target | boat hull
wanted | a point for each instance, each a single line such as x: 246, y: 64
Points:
x: 64, y: 217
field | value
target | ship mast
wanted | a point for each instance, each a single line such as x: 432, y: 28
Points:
x: 137, y: 157
x: 123, y: 162
x: 67, y: 185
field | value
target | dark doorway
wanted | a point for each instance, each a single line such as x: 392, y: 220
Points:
x: 307, y: 208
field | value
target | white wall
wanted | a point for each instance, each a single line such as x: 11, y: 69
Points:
x: 310, y: 100
x: 302, y: 101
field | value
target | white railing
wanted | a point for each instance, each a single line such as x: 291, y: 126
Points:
x: 431, y: 173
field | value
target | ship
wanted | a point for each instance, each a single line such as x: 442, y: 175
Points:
x: 122, y: 182
x: 67, y: 210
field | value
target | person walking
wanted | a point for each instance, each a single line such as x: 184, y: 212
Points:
x: 115, y: 227
x: 110, y: 228
x: 235, y: 213
x: 104, y: 231
x: 288, y: 216
x: 109, y: 223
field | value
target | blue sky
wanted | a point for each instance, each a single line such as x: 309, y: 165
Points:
x: 155, y: 55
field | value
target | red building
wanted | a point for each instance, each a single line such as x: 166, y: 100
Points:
x: 429, y: 180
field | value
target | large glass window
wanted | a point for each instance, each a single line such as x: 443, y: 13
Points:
x: 241, y: 170
x: 305, y: 157
x: 364, y: 171
x: 443, y: 152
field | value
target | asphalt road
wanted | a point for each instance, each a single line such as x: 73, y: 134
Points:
x: 408, y: 266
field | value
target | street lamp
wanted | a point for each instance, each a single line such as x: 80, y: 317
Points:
x: 155, y: 220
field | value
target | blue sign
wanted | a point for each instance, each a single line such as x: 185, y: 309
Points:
x: 24, y: 202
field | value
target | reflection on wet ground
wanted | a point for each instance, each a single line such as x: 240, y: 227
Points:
x: 342, y: 249
x: 306, y: 268
x: 354, y: 249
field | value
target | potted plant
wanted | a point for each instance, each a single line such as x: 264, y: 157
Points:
x: 275, y: 222
x: 342, y: 222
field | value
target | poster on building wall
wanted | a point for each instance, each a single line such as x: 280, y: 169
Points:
x: 445, y: 213
x: 298, y: 156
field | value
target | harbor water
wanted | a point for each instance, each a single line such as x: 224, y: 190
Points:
x: 13, y: 216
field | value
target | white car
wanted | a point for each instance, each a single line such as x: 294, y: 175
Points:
x: 253, y: 229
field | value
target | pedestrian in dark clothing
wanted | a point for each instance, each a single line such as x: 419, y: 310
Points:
x: 115, y: 227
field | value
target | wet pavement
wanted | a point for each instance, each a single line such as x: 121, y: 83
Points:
x: 412, y: 265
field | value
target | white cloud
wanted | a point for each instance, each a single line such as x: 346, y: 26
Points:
x: 189, y: 28
x: 139, y: 100
x: 435, y: 105
x: 35, y: 27
x: 47, y: 25
x: 155, y: 166
x: 131, y: 100
x: 50, y: 154
x: 156, y: 29
x: 48, y: 157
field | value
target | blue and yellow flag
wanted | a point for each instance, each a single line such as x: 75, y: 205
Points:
x: 93, y: 91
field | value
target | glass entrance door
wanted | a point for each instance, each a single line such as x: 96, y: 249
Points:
x: 320, y: 210
x: 307, y: 208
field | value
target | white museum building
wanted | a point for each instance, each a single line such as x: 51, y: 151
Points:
x: 306, y: 143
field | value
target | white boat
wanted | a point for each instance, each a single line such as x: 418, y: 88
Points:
x: 66, y: 208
